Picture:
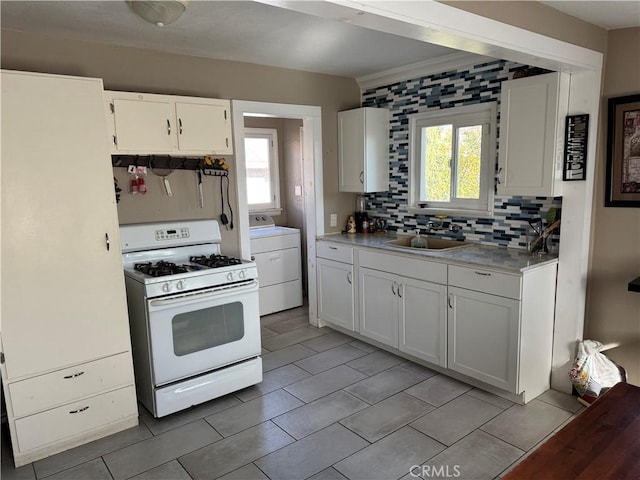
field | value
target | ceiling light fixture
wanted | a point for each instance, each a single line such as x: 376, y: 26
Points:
x: 159, y: 13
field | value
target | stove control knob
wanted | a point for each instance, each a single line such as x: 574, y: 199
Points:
x: 230, y: 276
x: 242, y: 275
x: 180, y: 285
x: 166, y: 287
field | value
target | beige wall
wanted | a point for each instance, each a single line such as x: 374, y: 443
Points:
x: 132, y: 69
x: 613, y: 313
x: 539, y: 18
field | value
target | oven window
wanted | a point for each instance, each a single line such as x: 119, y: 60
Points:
x: 207, y: 328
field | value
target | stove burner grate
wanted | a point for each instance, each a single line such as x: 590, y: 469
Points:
x: 160, y: 269
x: 215, y: 261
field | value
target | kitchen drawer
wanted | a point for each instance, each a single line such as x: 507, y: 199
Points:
x: 278, y: 266
x: 74, y: 419
x: 46, y: 391
x: 405, y: 266
x: 332, y: 251
x: 487, y: 281
x: 276, y: 242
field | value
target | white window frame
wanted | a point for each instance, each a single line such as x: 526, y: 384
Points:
x: 478, y: 114
x: 273, y: 207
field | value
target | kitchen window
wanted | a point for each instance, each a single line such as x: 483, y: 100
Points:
x: 261, y: 153
x: 452, y: 160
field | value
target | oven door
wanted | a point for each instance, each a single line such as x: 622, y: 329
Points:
x: 196, y: 332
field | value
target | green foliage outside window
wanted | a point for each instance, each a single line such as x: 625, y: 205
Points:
x: 437, y: 149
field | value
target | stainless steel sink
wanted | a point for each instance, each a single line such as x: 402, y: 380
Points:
x: 432, y: 243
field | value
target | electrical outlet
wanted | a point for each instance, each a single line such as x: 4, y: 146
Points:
x: 334, y: 219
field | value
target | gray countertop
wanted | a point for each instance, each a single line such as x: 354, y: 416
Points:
x: 489, y: 256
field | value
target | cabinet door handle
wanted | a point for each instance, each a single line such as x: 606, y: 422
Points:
x: 400, y: 289
x: 180, y: 126
x: 499, y: 172
x: 484, y: 274
x: 73, y: 375
x: 393, y: 288
x: 80, y: 410
x: 168, y: 127
x: 349, y: 278
x: 107, y: 241
x: 450, y: 300
x: 362, y: 178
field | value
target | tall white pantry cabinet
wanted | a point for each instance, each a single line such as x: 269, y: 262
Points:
x: 66, y: 364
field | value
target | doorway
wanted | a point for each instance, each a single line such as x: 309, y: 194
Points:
x: 311, y: 178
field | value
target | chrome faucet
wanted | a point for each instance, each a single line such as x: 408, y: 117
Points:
x: 435, y: 225
x: 438, y: 224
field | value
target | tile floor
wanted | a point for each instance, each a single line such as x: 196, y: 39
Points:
x: 329, y: 407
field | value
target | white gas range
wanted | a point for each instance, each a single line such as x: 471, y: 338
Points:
x: 193, y: 313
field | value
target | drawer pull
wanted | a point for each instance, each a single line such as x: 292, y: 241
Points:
x: 333, y: 248
x: 74, y: 375
x: 484, y: 274
x: 80, y: 410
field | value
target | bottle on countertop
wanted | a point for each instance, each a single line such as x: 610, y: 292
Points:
x: 351, y: 225
x: 418, y: 241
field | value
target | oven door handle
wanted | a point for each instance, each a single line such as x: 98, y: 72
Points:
x: 217, y: 292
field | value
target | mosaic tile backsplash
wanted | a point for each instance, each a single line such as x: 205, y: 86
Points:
x: 480, y: 83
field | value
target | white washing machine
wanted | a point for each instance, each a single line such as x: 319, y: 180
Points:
x: 276, y: 251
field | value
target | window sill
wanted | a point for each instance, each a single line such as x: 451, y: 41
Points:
x: 274, y: 212
x: 458, y: 212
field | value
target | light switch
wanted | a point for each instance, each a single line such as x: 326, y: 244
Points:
x: 298, y: 190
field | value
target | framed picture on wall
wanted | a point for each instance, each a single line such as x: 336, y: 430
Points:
x: 623, y: 152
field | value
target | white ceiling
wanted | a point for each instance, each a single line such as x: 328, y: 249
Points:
x: 257, y: 33
x: 606, y: 14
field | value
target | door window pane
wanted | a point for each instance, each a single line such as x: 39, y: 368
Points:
x: 203, y: 329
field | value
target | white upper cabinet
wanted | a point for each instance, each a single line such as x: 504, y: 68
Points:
x: 532, y: 120
x: 363, y: 150
x: 204, y: 127
x: 142, y: 123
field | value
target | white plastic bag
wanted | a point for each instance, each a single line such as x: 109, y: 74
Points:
x: 592, y: 372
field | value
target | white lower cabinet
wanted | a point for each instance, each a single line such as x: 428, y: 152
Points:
x: 379, y: 306
x: 404, y: 313
x: 501, y: 327
x: 492, y: 326
x: 336, y: 286
x: 423, y: 320
x: 403, y: 304
x: 483, y: 337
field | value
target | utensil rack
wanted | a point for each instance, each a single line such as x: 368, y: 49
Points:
x: 166, y: 162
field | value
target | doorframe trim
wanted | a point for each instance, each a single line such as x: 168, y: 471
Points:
x: 312, y: 190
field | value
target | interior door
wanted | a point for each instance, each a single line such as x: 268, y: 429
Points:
x: 63, y: 295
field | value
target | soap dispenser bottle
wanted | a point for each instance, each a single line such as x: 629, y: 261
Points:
x: 418, y: 241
